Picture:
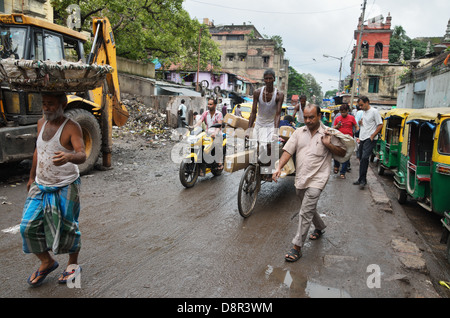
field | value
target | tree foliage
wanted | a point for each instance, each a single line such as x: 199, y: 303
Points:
x: 400, y: 41
x: 304, y: 84
x: 331, y: 93
x: 148, y: 29
x: 313, y: 89
x: 278, y: 40
x: 296, y: 82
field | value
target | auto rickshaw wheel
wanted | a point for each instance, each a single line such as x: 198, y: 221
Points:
x: 380, y: 169
x: 402, y: 196
x: 248, y: 191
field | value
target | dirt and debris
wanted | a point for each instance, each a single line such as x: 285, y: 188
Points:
x: 144, y: 124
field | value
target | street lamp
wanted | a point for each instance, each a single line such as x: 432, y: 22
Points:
x: 340, y: 68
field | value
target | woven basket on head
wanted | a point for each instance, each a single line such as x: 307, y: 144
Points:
x: 48, y: 76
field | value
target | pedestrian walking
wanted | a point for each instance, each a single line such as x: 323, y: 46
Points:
x: 345, y: 124
x: 182, y: 114
x: 370, y: 125
x: 52, y: 207
x: 313, y: 148
x: 224, y: 110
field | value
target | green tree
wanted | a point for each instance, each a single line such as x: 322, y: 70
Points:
x: 400, y: 41
x: 331, y: 93
x: 297, y: 84
x: 313, y: 89
x: 148, y: 29
x: 304, y: 84
x: 278, y: 42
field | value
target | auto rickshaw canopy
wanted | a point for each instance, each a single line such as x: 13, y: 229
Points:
x: 398, y: 112
x: 427, y: 116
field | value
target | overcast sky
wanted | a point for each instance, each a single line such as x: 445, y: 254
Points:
x: 311, y: 29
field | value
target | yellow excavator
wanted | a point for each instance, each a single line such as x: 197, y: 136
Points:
x: 97, y: 110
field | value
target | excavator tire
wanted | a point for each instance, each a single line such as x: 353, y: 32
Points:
x: 92, y: 137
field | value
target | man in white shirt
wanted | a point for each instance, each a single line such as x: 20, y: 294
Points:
x: 370, y: 125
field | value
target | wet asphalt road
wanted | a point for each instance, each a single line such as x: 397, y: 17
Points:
x: 144, y: 235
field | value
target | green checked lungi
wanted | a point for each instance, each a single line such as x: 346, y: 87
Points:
x: 50, y: 219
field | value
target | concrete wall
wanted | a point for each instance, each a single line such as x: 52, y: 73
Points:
x: 137, y: 86
x: 438, y: 91
x: 135, y: 67
x: 432, y: 92
x: 405, y: 96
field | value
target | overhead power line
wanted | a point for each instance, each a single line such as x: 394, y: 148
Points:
x: 272, y: 12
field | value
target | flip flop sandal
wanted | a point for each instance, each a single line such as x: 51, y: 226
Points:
x: 66, y: 275
x: 293, y: 255
x: 342, y: 176
x: 42, y: 274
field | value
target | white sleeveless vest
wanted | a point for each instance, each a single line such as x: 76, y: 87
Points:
x: 266, y: 111
x: 46, y: 172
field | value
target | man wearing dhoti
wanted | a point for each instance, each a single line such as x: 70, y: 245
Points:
x: 52, y: 207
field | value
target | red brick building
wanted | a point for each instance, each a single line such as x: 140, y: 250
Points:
x: 376, y: 77
x: 375, y: 40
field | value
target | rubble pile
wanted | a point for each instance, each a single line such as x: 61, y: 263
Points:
x: 144, y: 122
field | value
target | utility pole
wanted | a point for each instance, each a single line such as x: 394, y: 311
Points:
x: 358, y: 50
x: 198, y: 57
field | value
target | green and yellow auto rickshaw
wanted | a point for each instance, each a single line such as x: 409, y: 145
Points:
x: 391, y: 139
x: 424, y: 169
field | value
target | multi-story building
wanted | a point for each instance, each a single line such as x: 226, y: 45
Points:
x: 35, y: 8
x: 248, y: 55
x: 376, y: 77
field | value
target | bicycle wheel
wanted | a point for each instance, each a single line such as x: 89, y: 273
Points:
x: 248, y: 191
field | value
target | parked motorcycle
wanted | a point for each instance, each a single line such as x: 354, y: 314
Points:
x: 203, y: 157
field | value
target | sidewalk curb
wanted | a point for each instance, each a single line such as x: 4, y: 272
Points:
x: 378, y: 194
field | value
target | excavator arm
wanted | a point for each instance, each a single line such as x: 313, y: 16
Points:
x: 104, y: 52
x: 113, y: 112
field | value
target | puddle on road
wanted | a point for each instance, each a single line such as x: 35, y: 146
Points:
x: 300, y: 286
